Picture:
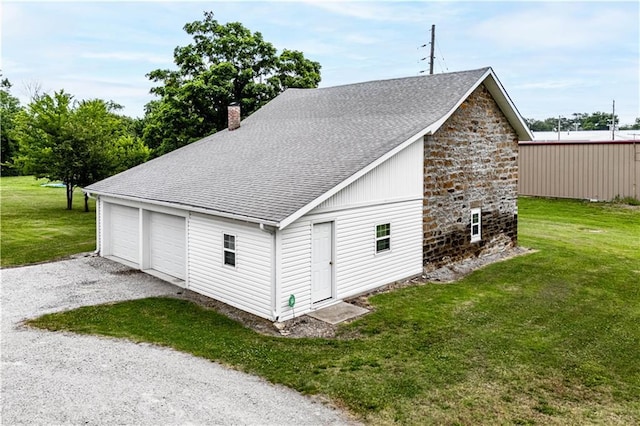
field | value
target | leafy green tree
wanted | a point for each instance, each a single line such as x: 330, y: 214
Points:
x: 596, y: 121
x: 634, y: 126
x: 579, y: 121
x: 77, y: 143
x: 547, y: 125
x: 225, y: 63
x: 9, y: 108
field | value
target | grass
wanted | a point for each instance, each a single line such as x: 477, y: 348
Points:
x: 36, y: 226
x: 626, y: 200
x: 551, y: 337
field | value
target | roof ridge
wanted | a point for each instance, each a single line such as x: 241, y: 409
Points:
x: 483, y: 70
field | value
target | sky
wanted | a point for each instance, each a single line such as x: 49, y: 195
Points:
x: 553, y: 58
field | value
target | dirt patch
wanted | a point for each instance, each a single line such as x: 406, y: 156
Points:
x: 305, y: 326
x: 455, y: 271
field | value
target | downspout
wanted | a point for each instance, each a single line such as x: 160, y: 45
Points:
x: 636, y: 161
x: 98, y: 224
x: 275, y: 270
x: 277, y: 261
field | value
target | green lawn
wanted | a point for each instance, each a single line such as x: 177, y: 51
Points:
x: 36, y: 226
x: 550, y: 338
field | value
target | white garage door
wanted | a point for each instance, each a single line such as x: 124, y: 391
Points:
x: 124, y: 235
x: 167, y: 244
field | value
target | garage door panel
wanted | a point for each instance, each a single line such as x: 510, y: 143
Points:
x: 124, y: 238
x: 167, y: 244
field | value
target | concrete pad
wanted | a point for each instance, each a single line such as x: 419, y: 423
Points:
x: 338, y: 313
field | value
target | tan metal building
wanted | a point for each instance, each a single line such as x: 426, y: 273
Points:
x: 594, y: 170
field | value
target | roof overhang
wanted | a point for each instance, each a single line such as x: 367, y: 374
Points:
x: 507, y: 107
x: 499, y: 94
x: 202, y: 210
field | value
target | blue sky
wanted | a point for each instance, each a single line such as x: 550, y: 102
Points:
x: 554, y: 58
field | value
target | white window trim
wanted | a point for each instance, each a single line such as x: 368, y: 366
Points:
x: 234, y: 251
x: 475, y: 237
x: 376, y: 238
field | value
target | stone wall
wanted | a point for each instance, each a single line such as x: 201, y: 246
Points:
x: 470, y: 162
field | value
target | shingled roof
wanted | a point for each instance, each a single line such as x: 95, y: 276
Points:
x: 298, y: 149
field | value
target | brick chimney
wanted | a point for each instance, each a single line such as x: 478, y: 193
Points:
x: 234, y: 115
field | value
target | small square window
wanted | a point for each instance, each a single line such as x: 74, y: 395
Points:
x: 229, y: 242
x: 229, y: 258
x: 476, y: 225
x: 383, y: 237
x: 229, y: 250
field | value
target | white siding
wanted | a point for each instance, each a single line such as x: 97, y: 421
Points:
x: 358, y: 267
x: 295, y: 276
x: 398, y: 178
x: 248, y: 285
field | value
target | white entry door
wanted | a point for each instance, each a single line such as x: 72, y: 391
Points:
x: 322, y: 262
x: 167, y: 244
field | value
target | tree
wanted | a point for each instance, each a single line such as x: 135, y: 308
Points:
x: 634, y: 126
x: 225, y: 63
x: 77, y: 143
x: 547, y: 125
x: 9, y: 108
x: 597, y: 121
x: 580, y: 121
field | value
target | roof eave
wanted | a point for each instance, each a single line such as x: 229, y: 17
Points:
x: 185, y: 207
x: 507, y: 107
x: 499, y: 94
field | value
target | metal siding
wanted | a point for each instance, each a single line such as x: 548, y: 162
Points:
x: 358, y: 268
x: 248, y: 285
x: 397, y: 178
x: 591, y: 170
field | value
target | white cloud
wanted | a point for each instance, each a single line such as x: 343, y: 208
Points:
x: 359, y: 39
x: 376, y: 11
x: 551, y: 84
x: 129, y: 56
x: 557, y: 26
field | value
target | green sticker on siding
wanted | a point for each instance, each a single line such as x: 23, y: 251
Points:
x: 292, y: 300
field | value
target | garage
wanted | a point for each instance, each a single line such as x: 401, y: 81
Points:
x: 167, y: 250
x: 124, y: 238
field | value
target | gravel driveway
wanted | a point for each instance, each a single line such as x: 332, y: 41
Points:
x: 62, y: 378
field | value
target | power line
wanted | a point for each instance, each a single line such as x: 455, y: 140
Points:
x: 442, y: 56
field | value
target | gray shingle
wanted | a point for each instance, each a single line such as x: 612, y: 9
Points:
x: 294, y: 149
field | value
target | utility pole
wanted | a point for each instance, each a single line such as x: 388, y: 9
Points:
x: 433, y: 42
x: 613, y: 122
x: 558, y: 128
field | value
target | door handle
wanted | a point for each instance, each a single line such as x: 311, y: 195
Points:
x: 330, y: 263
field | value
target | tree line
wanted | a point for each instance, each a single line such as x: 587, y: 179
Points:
x: 579, y: 121
x: 79, y: 142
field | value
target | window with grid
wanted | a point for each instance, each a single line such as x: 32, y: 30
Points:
x: 476, y: 225
x: 383, y: 237
x: 230, y: 250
